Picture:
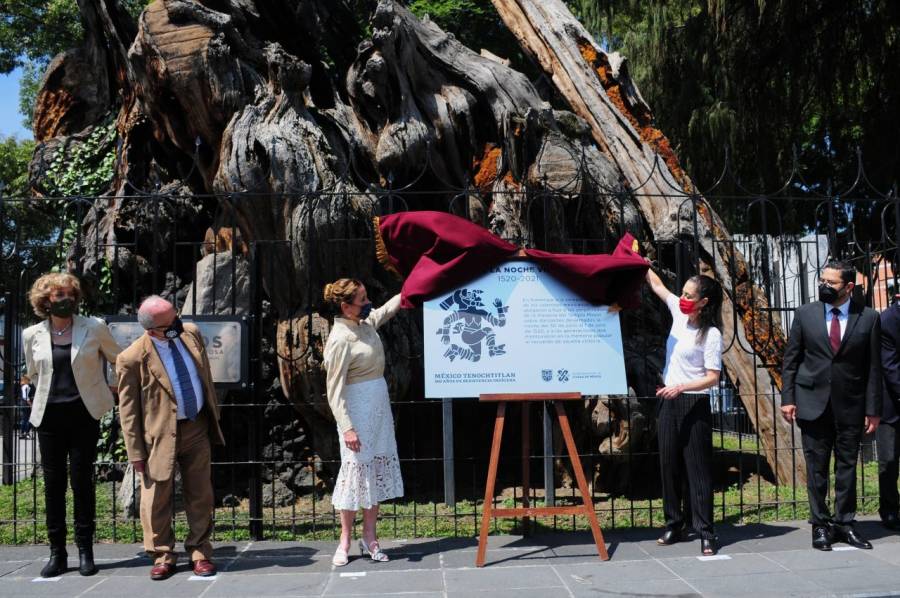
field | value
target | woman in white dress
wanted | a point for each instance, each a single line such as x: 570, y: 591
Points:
x: 358, y: 397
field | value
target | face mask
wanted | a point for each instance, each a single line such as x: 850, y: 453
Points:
x: 62, y: 308
x: 175, y: 329
x: 827, y: 294
x: 364, y: 311
x: 687, y: 306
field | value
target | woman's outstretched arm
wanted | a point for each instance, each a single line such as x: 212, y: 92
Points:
x: 657, y: 285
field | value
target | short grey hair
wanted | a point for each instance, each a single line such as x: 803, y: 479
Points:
x: 145, y: 311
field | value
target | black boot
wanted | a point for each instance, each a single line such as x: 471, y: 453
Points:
x: 86, y: 564
x: 57, y: 564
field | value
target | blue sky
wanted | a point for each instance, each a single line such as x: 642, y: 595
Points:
x: 10, y: 119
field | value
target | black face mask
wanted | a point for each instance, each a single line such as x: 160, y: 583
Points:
x: 62, y: 308
x: 175, y: 329
x: 827, y: 294
x: 364, y: 311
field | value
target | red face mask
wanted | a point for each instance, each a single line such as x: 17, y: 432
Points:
x: 687, y: 306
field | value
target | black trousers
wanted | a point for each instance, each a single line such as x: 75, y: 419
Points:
x: 685, y: 457
x: 69, y: 433
x: 886, y: 439
x: 822, y: 437
x: 24, y: 415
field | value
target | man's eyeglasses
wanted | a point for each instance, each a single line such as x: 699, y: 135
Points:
x: 833, y: 284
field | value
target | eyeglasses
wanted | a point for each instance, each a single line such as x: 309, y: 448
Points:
x: 831, y: 283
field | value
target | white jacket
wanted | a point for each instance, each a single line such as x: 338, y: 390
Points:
x: 91, y: 341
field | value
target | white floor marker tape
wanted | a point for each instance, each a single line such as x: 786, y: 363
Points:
x: 715, y: 557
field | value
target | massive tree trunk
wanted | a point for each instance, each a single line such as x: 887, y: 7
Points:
x: 280, y: 118
x: 599, y: 89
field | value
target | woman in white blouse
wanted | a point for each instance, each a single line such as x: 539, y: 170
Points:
x: 358, y: 396
x: 684, y: 429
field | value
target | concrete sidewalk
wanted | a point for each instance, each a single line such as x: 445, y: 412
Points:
x: 757, y: 560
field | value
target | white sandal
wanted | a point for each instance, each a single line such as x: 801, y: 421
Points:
x: 340, y: 557
x: 373, y: 550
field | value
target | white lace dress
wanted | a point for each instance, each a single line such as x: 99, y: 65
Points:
x: 358, y: 396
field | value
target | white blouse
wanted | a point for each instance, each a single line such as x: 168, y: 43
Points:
x: 686, y: 359
x: 353, y: 353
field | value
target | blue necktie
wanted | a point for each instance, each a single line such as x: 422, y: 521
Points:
x: 184, y: 382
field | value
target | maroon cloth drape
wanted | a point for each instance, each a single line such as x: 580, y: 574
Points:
x: 437, y: 252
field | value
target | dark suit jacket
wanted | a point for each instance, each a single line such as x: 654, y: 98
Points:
x: 850, y: 379
x: 890, y: 360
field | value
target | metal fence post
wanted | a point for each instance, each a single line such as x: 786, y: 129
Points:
x: 449, y: 462
x: 254, y: 440
x: 9, y: 387
x: 547, y: 418
x: 549, y: 486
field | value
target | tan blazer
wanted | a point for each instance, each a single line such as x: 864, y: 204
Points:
x: 91, y: 343
x: 147, y: 405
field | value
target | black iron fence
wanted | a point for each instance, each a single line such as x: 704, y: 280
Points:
x: 211, y: 254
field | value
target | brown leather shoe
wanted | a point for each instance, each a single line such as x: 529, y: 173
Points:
x: 204, y: 568
x: 162, y: 571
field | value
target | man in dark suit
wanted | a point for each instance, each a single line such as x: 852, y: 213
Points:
x: 832, y: 387
x: 886, y: 437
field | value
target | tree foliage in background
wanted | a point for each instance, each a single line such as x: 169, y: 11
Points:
x: 14, y: 157
x: 32, y: 32
x: 765, y: 77
x: 20, y: 224
x: 29, y: 85
x: 36, y: 30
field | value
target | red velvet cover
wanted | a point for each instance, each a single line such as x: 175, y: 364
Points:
x: 437, y: 252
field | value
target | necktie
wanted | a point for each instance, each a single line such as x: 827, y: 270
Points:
x: 184, y: 382
x: 834, y: 333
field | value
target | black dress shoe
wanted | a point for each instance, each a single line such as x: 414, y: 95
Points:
x: 850, y: 536
x: 671, y: 536
x: 708, y: 546
x: 892, y: 522
x: 821, y: 538
x: 57, y: 564
x: 86, y: 564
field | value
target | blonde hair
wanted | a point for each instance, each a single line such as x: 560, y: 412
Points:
x: 341, y: 290
x: 39, y: 295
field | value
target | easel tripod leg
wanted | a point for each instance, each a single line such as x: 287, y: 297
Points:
x: 526, y: 464
x: 486, y: 513
x: 582, y: 483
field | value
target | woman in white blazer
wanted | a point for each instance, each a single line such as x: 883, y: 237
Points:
x: 64, y: 360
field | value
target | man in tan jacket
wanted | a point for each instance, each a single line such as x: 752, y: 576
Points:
x: 169, y: 414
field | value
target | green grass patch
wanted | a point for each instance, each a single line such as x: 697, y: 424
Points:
x: 754, y: 500
x: 735, y: 442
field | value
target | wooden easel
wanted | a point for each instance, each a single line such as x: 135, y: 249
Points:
x: 526, y: 511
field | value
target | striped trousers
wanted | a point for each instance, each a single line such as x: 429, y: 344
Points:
x: 684, y: 433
